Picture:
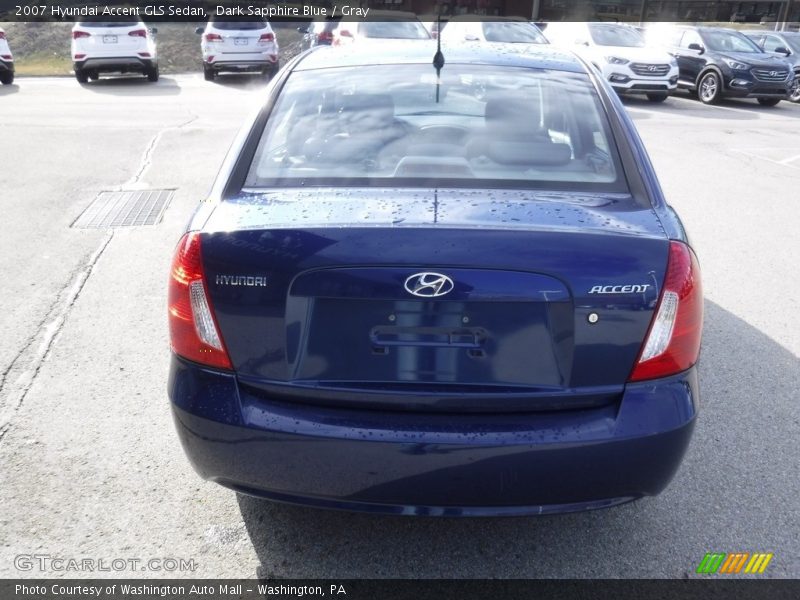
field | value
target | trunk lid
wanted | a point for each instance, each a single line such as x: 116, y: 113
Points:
x: 312, y: 293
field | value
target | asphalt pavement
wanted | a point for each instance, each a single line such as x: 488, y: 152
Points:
x: 90, y: 466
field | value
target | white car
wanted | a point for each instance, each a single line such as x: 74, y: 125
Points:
x: 239, y: 47
x: 381, y: 26
x: 620, y: 53
x: 6, y: 61
x: 113, y: 47
x: 506, y: 30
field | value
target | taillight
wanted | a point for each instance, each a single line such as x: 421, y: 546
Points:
x: 325, y: 36
x: 672, y: 344
x: 193, y: 328
x: 2, y: 35
x: 76, y: 35
x: 213, y: 37
x: 138, y: 33
x: 267, y: 37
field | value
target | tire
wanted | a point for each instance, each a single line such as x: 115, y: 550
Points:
x: 82, y: 76
x: 709, y: 90
x: 657, y: 97
x: 94, y: 75
x: 152, y: 74
x: 794, y: 95
x: 768, y: 101
x: 7, y: 77
x: 208, y: 74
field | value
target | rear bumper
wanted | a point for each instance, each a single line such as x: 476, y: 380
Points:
x: 115, y: 64
x: 433, y: 464
x: 254, y: 62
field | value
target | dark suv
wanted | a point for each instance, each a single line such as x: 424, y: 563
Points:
x: 715, y: 63
x: 782, y: 44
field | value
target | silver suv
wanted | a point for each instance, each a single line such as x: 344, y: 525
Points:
x: 238, y: 47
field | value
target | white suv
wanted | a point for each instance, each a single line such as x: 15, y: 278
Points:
x: 619, y: 53
x: 113, y: 47
x: 6, y: 61
x: 239, y: 47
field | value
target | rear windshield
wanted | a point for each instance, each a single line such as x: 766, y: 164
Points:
x: 406, y: 30
x: 108, y: 23
x: 512, y: 33
x: 238, y: 25
x: 473, y: 126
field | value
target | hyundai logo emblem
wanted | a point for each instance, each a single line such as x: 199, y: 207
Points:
x: 773, y: 73
x: 429, y: 285
x: 652, y: 67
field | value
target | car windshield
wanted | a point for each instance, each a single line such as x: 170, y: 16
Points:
x: 513, y: 32
x: 403, y: 30
x: 403, y: 125
x: 238, y: 25
x: 729, y: 41
x: 793, y: 39
x: 614, y: 35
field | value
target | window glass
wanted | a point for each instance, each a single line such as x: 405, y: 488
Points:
x: 475, y: 125
x: 238, y: 25
x: 412, y: 30
x: 691, y: 37
x: 614, y: 35
x: 512, y: 32
x: 729, y: 41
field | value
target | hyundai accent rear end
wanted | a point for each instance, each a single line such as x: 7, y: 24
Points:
x: 407, y: 297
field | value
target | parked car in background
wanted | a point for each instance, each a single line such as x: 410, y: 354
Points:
x: 718, y: 63
x: 6, y: 60
x: 620, y: 53
x: 508, y: 30
x: 117, y: 47
x: 381, y: 26
x: 403, y: 299
x: 239, y: 47
x: 784, y: 44
x: 317, y: 33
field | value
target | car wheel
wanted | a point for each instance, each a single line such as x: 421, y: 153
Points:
x: 208, y: 74
x: 94, y: 75
x: 768, y: 101
x: 7, y: 78
x: 794, y: 94
x: 152, y: 74
x: 82, y: 76
x: 710, y: 88
x: 657, y: 97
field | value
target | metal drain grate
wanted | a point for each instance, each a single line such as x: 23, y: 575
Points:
x: 125, y: 209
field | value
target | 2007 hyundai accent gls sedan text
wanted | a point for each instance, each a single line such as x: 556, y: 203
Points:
x: 436, y: 289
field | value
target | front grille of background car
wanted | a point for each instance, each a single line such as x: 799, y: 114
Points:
x: 648, y: 70
x: 770, y: 74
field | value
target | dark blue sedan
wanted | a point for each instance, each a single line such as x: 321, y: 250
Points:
x: 446, y: 287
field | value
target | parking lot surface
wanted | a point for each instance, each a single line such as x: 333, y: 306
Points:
x: 90, y: 465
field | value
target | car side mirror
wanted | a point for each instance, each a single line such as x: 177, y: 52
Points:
x: 782, y: 50
x: 697, y: 47
x: 154, y: 30
x: 199, y: 30
x: 302, y: 29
